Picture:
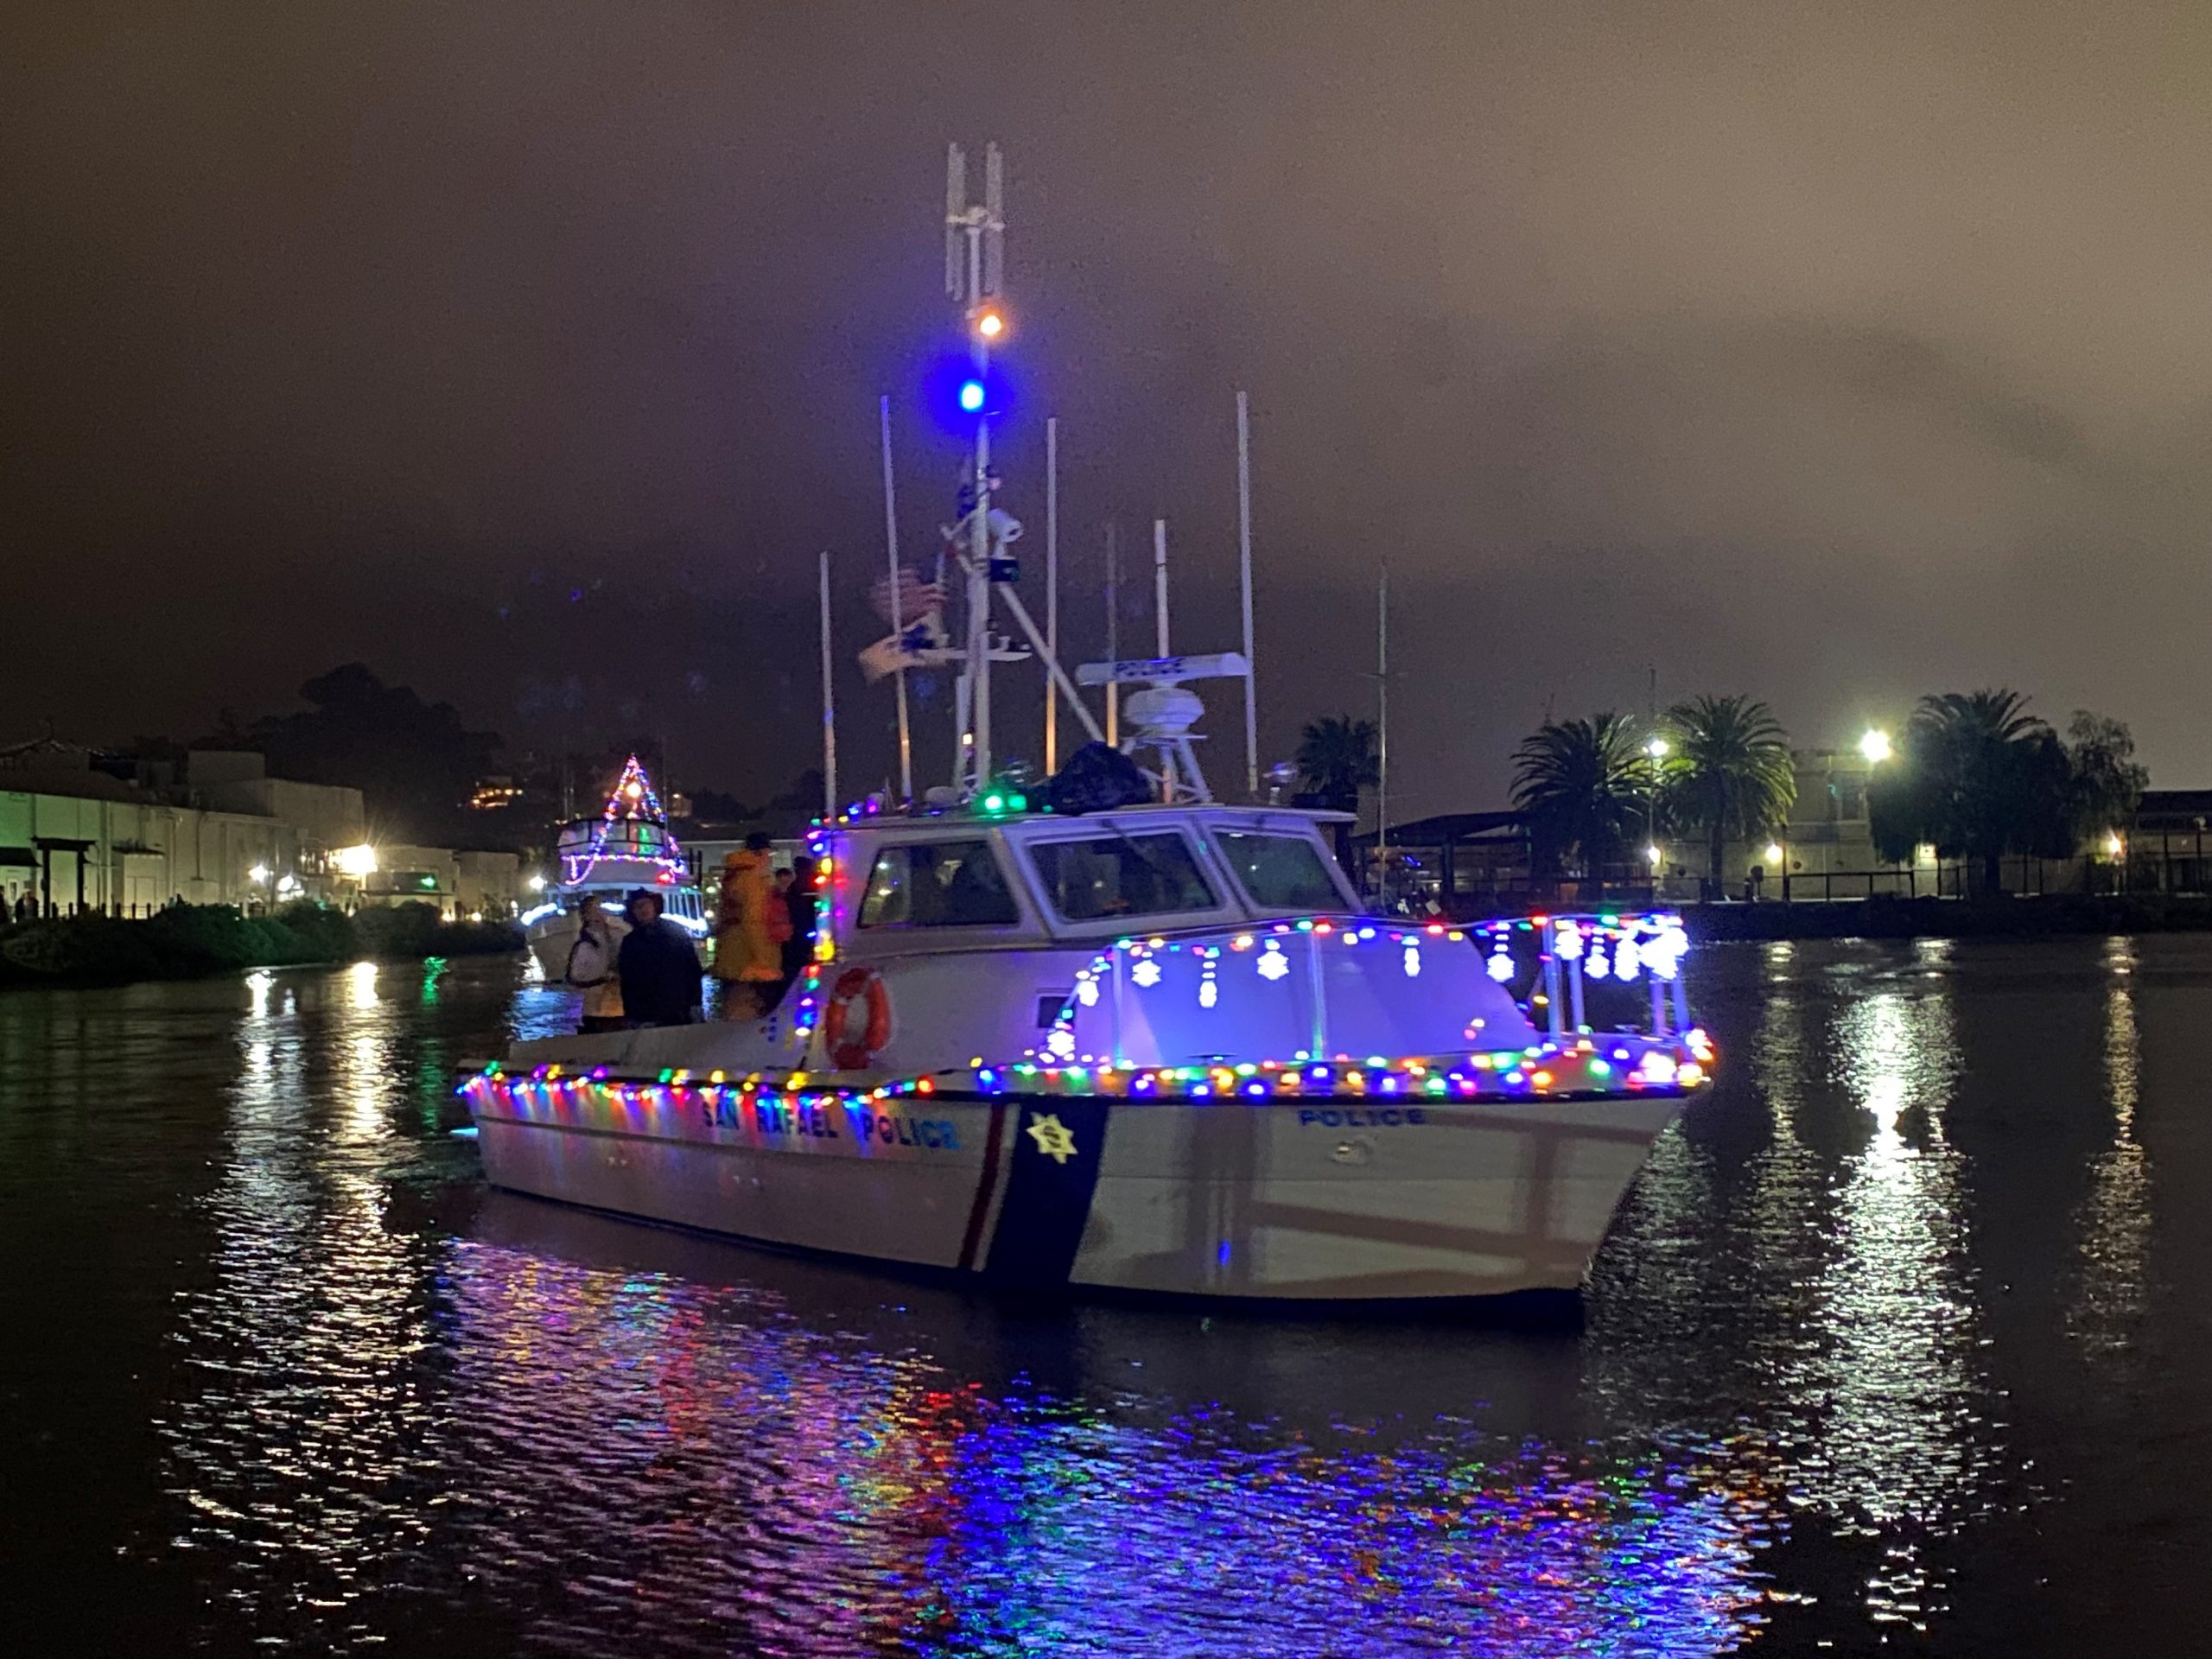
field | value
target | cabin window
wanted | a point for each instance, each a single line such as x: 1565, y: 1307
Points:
x: 1118, y: 876
x: 938, y: 884
x: 1280, y: 872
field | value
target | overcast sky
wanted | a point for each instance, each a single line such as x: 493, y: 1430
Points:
x: 530, y: 352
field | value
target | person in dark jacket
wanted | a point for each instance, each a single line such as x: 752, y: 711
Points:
x: 658, y: 967
x: 799, y: 900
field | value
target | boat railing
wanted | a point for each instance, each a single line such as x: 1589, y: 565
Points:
x: 1581, y: 958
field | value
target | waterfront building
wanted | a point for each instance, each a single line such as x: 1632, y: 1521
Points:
x: 480, y: 885
x: 85, y: 832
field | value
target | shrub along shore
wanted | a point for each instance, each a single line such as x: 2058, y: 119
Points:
x: 187, y: 941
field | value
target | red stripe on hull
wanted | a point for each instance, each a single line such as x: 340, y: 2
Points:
x: 974, y: 1237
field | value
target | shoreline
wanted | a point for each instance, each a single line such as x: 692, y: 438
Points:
x: 2051, y: 916
x: 204, y: 940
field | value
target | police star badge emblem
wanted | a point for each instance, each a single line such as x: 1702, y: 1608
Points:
x: 1052, y: 1138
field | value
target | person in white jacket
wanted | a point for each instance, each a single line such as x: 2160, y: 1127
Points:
x: 592, y: 965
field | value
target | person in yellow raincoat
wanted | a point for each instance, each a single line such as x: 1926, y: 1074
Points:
x: 751, y: 924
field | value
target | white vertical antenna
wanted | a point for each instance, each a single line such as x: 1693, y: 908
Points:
x: 1160, y: 582
x: 1382, y: 712
x: 1051, y: 592
x: 1113, y: 631
x: 1244, y: 582
x: 955, y: 222
x: 828, y: 705
x: 994, y: 219
x: 897, y: 617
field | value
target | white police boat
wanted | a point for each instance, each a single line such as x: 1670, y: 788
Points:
x: 1156, y: 1049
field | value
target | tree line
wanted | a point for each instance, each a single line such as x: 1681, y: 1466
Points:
x: 1974, y: 773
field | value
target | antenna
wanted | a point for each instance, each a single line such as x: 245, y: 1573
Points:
x: 956, y: 221
x: 994, y: 219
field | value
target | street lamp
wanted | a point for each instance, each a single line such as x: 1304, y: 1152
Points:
x: 1656, y: 747
x: 1875, y: 746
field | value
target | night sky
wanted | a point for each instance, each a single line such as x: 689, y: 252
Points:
x: 530, y: 352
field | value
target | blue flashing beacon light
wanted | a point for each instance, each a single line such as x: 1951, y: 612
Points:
x: 971, y: 397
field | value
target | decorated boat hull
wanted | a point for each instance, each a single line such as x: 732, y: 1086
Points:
x: 1318, y: 1198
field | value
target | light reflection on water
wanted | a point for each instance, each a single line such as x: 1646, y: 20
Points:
x: 2112, y: 1281
x: 1826, y: 1302
x: 759, y: 1453
x: 400, y: 1411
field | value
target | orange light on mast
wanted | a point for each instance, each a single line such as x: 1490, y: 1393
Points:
x: 990, y: 321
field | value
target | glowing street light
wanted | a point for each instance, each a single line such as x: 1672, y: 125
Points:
x: 1657, y: 748
x: 2114, y: 846
x: 355, y: 862
x: 1875, y: 746
x: 258, y: 874
x: 1652, y: 856
x: 1773, y: 852
x: 537, y: 884
x: 990, y: 322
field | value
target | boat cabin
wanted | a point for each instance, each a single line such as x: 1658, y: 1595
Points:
x: 909, y: 886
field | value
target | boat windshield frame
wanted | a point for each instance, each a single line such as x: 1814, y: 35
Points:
x: 857, y: 845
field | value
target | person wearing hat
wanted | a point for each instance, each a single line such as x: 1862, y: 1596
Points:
x: 591, y: 967
x: 657, y: 966
x: 752, y: 924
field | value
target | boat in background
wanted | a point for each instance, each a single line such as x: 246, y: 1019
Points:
x: 628, y: 846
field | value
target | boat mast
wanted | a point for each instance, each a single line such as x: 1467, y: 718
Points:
x: 1244, y: 593
x: 897, y: 618
x: 975, y: 265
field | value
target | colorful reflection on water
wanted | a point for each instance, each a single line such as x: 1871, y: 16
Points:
x: 392, y: 1412
x: 788, y: 1489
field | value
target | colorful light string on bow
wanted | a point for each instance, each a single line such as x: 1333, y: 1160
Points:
x: 1587, y: 1069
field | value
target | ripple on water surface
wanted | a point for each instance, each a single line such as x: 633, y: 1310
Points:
x: 406, y: 1415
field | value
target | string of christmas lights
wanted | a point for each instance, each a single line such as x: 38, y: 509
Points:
x: 1589, y: 1068
x: 631, y: 801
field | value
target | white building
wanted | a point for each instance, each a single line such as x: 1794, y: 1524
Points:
x: 76, y: 836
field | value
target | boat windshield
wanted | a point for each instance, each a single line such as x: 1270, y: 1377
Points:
x: 1279, y: 872
x: 1118, y: 876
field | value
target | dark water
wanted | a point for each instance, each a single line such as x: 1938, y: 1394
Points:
x: 1902, y: 1340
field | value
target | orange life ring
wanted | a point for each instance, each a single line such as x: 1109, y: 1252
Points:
x: 849, y: 1052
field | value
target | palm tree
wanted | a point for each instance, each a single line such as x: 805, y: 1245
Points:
x: 1727, y: 772
x: 1980, y: 777
x: 1338, y: 758
x: 1576, y: 784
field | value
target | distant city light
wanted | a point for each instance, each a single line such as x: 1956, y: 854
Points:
x: 259, y: 873
x: 537, y: 884
x: 1653, y: 855
x: 355, y: 861
x: 1773, y: 852
x: 1657, y: 748
x: 2114, y: 845
x: 1875, y: 746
